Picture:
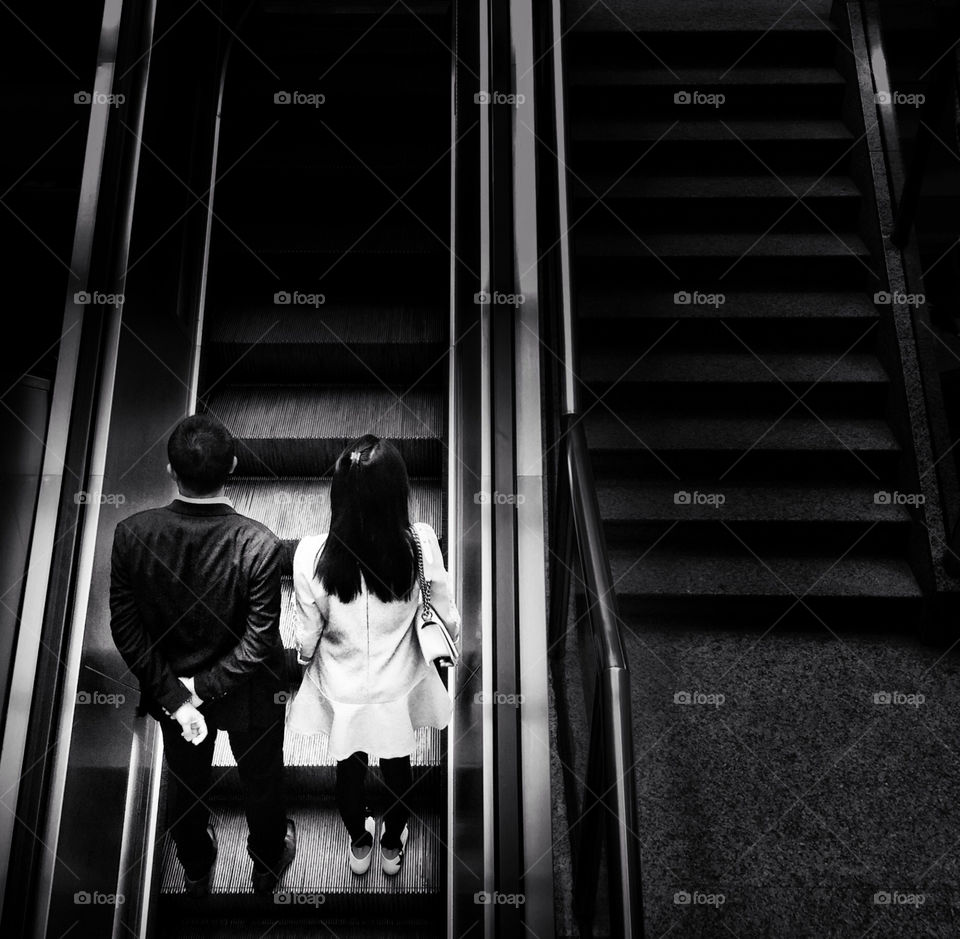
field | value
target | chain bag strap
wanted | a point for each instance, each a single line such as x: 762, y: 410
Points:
x: 436, y: 643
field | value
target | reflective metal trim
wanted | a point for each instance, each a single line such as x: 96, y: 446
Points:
x: 51, y: 487
x: 91, y: 518
x: 486, y: 477
x: 535, y: 755
x: 570, y: 402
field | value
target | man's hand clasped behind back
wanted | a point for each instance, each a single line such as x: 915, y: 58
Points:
x: 192, y: 724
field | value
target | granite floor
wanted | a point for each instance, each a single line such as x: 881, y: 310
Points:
x: 789, y: 798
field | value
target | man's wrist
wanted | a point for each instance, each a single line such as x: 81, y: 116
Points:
x: 181, y: 712
x: 188, y: 683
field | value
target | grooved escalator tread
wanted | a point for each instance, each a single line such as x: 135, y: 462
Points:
x: 320, y: 867
x: 375, y: 236
x: 353, y: 321
x: 293, y: 507
x: 411, y: 163
x: 310, y: 342
x: 370, y: 927
x: 310, y: 412
x: 300, y: 430
x: 300, y: 750
x: 368, y: 8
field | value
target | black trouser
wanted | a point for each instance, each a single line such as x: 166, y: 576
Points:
x: 259, y: 756
x: 398, y: 779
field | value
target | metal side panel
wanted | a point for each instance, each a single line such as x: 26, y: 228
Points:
x: 101, y: 804
x: 535, y: 749
x: 16, y: 727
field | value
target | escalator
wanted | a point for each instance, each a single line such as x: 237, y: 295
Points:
x: 299, y: 215
x: 326, y: 317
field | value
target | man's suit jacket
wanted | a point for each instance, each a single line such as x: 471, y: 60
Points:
x: 195, y: 591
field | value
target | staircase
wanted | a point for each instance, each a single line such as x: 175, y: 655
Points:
x: 326, y: 319
x: 737, y: 402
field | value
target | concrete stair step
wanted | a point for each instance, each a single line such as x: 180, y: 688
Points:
x: 756, y: 366
x: 707, y: 188
x: 803, y: 42
x: 629, y: 502
x: 710, y: 144
x: 667, y: 573
x: 596, y: 76
x: 721, y: 92
x: 642, y: 429
x: 600, y: 300
x: 714, y: 132
x: 616, y: 242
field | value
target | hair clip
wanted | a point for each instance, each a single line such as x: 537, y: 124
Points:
x: 355, y: 456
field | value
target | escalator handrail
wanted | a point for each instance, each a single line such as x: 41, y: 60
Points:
x: 146, y: 746
x: 208, y: 223
x: 575, y: 479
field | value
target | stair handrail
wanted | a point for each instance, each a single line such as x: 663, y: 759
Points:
x: 577, y: 535
x: 943, y: 85
x: 903, y: 190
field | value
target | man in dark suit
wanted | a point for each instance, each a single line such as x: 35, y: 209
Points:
x: 195, y: 612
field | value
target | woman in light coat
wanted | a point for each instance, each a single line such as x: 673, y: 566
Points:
x: 367, y: 685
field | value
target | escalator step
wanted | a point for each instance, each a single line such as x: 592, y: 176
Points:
x: 299, y: 750
x: 336, y: 343
x: 393, y: 234
x: 319, y: 870
x: 300, y: 430
x: 293, y: 508
x: 310, y: 773
x: 351, y: 321
x: 259, y: 929
x: 369, y: 9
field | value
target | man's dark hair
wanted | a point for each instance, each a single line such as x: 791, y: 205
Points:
x: 200, y: 451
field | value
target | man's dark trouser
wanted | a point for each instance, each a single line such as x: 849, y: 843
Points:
x: 259, y: 756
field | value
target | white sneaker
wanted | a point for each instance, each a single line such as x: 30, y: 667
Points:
x: 360, y: 857
x: 391, y: 866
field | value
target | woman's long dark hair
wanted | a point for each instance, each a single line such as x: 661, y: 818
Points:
x: 369, y: 525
